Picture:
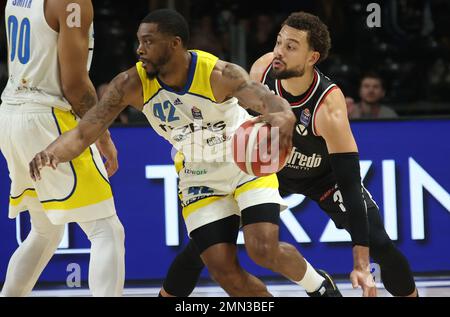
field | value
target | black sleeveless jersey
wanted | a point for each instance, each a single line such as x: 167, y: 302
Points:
x: 308, y: 170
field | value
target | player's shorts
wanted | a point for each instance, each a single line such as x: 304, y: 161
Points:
x: 77, y: 191
x: 213, y: 191
x: 332, y: 203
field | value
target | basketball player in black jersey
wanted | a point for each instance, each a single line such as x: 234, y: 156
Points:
x: 324, y: 164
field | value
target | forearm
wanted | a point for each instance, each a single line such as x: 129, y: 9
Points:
x: 275, y: 103
x: 72, y: 143
x: 360, y: 257
x: 81, y: 96
x: 68, y: 146
x: 346, y: 169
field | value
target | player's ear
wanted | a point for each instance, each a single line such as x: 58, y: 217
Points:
x: 313, y: 58
x: 177, y: 42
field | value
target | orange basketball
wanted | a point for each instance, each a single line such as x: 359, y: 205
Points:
x: 256, y: 149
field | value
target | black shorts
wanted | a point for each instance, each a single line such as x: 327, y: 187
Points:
x: 332, y: 203
x: 226, y: 230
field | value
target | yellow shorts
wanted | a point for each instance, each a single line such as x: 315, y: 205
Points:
x: 213, y: 191
x: 77, y: 191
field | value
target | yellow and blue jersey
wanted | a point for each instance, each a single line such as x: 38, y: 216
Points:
x: 191, y: 119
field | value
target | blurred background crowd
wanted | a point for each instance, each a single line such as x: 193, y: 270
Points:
x: 400, y: 69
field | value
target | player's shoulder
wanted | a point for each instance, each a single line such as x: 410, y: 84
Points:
x: 260, y: 66
x: 225, y: 78
x: 203, y: 56
x: 68, y: 5
x: 69, y: 10
x: 325, y: 80
x: 333, y: 101
x: 264, y: 60
x: 229, y: 71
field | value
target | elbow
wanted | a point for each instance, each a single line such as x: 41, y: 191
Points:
x: 70, y: 91
x: 73, y: 88
x: 69, y: 85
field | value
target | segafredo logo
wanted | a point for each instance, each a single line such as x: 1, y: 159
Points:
x: 298, y: 160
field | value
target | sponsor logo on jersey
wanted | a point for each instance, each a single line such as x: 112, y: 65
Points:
x: 196, y: 113
x: 301, y: 161
x: 193, y: 127
x: 179, y: 137
x: 177, y: 102
x: 181, y: 133
x: 301, y: 129
x: 218, y: 139
x: 195, y: 172
x: 305, y: 117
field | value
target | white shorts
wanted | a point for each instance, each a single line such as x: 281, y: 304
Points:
x: 213, y: 191
x: 77, y: 191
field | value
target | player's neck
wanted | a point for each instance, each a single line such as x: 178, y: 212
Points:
x: 175, y: 73
x: 297, y: 86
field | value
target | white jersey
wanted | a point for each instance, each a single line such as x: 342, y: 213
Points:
x: 192, y: 120
x: 34, y: 75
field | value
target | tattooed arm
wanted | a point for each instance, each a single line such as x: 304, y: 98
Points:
x: 125, y: 89
x: 230, y: 80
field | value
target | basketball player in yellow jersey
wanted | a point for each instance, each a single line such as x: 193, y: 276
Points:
x: 50, y: 45
x: 191, y: 99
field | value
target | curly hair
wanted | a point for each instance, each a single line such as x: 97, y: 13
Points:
x: 318, y: 36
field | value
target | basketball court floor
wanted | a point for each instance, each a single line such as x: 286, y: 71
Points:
x: 435, y: 287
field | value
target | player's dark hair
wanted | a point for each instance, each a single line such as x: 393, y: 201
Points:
x: 169, y: 22
x: 318, y: 35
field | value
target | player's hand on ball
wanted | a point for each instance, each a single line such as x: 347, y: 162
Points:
x: 44, y: 158
x: 284, y: 121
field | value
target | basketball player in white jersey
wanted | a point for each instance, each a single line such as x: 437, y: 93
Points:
x: 191, y: 98
x: 50, y: 45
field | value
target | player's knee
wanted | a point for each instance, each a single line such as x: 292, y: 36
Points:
x: 108, y: 233
x: 380, y: 245
x: 117, y: 229
x: 263, y: 251
x: 118, y: 235
x: 190, y: 258
x: 53, y: 234
x: 43, y: 228
x: 110, y: 228
x: 226, y: 275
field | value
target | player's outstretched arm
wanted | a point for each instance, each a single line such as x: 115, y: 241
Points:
x: 230, y: 80
x: 332, y: 124
x: 125, y: 89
